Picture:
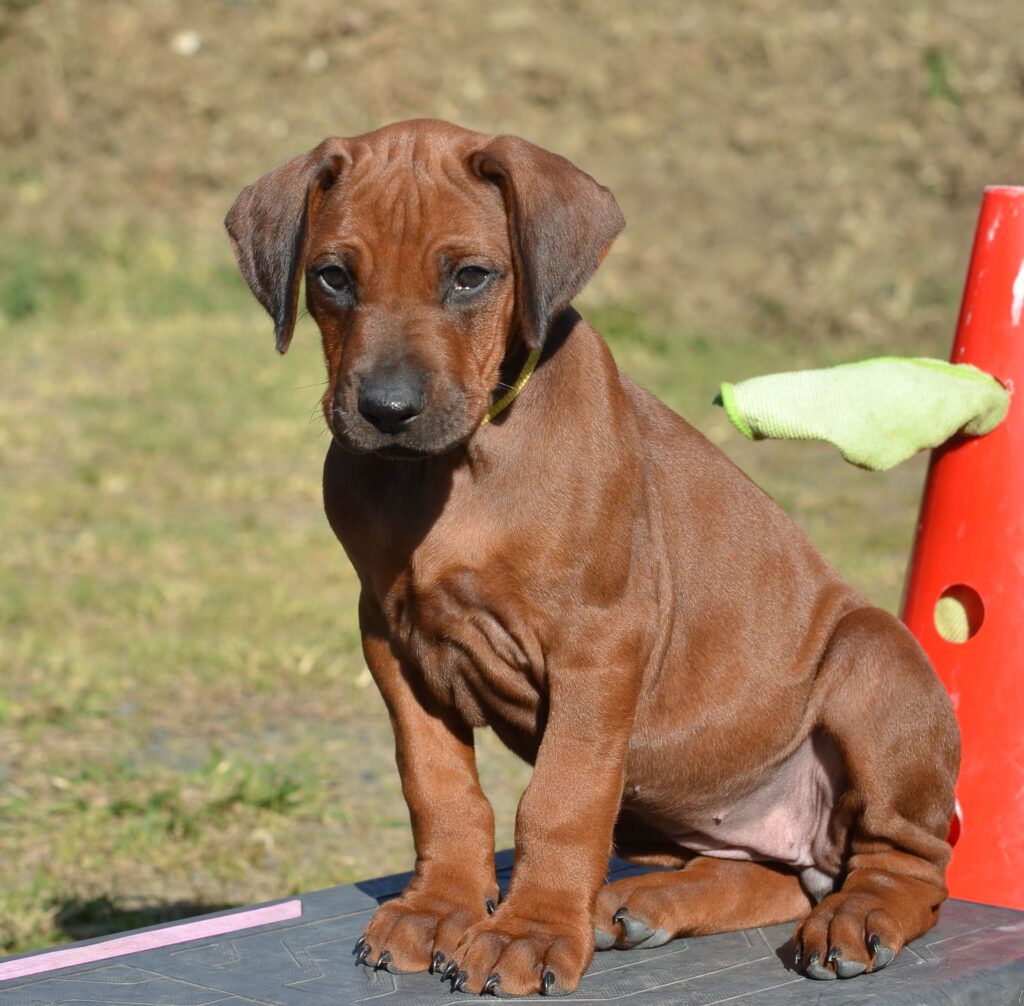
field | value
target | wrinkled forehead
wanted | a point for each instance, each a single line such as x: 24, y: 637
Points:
x: 412, y: 193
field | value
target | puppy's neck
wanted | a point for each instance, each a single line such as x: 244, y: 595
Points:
x: 570, y: 398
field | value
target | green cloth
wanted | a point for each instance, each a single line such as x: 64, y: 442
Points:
x: 877, y: 412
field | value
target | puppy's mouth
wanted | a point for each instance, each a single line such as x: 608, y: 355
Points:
x: 397, y: 453
x: 432, y: 432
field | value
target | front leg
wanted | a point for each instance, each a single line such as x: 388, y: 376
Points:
x: 454, y: 885
x: 542, y: 936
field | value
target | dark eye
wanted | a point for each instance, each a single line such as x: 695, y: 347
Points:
x: 334, y: 279
x: 470, y: 278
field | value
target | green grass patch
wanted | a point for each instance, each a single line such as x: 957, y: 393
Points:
x: 938, y: 67
x: 116, y: 273
x: 185, y: 716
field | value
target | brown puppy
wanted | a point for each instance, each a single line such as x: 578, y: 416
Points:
x: 586, y: 574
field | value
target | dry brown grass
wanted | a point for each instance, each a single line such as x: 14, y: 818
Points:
x: 803, y: 166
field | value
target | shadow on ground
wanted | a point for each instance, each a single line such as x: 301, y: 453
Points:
x: 84, y: 919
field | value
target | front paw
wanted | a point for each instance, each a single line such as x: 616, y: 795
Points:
x: 518, y: 953
x: 418, y: 931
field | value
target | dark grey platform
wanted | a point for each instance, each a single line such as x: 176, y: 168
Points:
x: 975, y: 955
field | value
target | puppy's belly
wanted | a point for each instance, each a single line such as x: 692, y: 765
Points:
x: 784, y: 819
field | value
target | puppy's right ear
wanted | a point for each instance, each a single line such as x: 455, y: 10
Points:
x: 268, y: 225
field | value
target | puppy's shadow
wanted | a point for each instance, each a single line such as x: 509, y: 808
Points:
x: 787, y: 954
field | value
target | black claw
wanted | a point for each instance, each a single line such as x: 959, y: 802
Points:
x: 833, y: 955
x: 816, y: 971
x: 492, y: 983
x: 449, y: 971
x: 364, y: 953
x: 491, y: 906
x: 880, y: 956
x: 460, y: 980
x: 383, y: 960
x: 637, y: 931
x: 619, y: 915
x: 547, y: 981
x: 436, y: 962
x: 359, y: 944
x: 798, y: 955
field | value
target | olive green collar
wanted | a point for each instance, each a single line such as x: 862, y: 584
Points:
x: 520, y: 382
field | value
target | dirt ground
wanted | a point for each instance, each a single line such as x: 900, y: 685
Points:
x: 185, y: 718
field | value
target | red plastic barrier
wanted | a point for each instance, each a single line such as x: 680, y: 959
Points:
x: 970, y: 549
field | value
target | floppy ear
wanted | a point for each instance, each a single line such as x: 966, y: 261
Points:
x: 268, y: 224
x: 561, y: 223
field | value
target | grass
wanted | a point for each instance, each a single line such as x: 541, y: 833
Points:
x: 186, y: 722
x: 185, y: 719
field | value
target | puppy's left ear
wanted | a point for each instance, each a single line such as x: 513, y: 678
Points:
x: 561, y: 224
x: 268, y: 225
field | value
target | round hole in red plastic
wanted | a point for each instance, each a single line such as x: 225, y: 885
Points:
x: 959, y: 613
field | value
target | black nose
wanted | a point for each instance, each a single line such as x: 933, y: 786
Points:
x: 391, y: 403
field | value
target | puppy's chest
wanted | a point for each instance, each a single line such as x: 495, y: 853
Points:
x: 472, y: 639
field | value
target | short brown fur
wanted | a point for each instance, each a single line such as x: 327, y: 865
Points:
x: 589, y: 576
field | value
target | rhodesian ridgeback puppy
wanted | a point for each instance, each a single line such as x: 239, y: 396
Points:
x: 546, y: 549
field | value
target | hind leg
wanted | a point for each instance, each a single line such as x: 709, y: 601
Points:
x: 885, y: 709
x: 707, y: 896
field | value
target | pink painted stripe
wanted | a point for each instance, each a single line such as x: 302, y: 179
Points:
x: 169, y: 936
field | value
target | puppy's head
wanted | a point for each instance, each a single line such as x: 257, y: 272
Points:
x: 430, y: 253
